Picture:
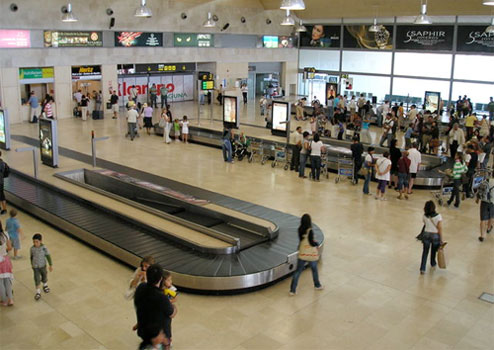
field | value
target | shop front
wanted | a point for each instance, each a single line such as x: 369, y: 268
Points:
x: 40, y: 81
x: 87, y: 80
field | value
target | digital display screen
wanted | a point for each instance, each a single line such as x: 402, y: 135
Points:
x: 46, y: 140
x: 72, y: 39
x: 193, y: 40
x: 270, y: 42
x: 3, y: 132
x: 207, y: 85
x: 280, y: 116
x: 432, y: 100
x: 130, y: 39
x: 11, y: 39
x: 230, y: 109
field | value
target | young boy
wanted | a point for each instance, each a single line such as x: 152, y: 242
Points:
x: 168, y: 288
x: 14, y: 230
x: 39, y: 257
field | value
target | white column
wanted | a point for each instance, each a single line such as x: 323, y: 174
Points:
x: 109, y: 82
x: 289, y: 77
x: 11, y: 93
x: 63, y: 92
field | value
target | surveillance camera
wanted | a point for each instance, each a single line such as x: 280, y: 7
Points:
x: 268, y: 21
x: 64, y: 9
x: 215, y: 18
x: 242, y: 19
x: 225, y: 27
x: 183, y: 15
x: 109, y: 12
x: 13, y: 7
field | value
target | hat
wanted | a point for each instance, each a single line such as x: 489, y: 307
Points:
x: 145, y: 105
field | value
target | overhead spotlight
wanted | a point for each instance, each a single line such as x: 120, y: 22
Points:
x: 14, y: 7
x: 109, y: 12
x: 490, y: 29
x: 68, y: 15
x: 423, y: 18
x: 225, y: 27
x: 242, y: 19
x: 210, y: 23
x: 292, y: 5
x: 488, y: 2
x: 300, y: 28
x: 143, y: 10
x: 268, y: 21
x: 375, y: 27
x: 288, y: 20
x: 183, y: 15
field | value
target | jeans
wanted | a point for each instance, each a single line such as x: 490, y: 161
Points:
x: 315, y: 162
x: 227, y: 150
x: 153, y: 100
x: 467, y: 187
x: 244, y: 95
x: 430, y: 240
x: 367, y: 181
x: 303, y: 163
x: 455, y: 195
x: 331, y: 112
x: 294, y: 164
x: 298, y: 271
x: 403, y: 181
x: 386, y: 137
x: 132, y: 130
x: 164, y: 101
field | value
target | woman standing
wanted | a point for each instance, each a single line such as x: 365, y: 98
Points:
x: 395, y: 155
x: 166, y: 122
x: 6, y: 276
x: 148, y: 117
x: 48, y: 109
x: 383, y: 168
x: 306, y: 237
x: 433, y: 234
x: 316, y: 146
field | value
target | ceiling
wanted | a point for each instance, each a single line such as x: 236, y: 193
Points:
x: 321, y: 9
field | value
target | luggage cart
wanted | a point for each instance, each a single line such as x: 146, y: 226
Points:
x: 280, y: 156
x: 478, y: 177
x: 444, y: 193
x: 325, y: 164
x: 267, y: 152
x: 345, y: 168
x: 256, y: 150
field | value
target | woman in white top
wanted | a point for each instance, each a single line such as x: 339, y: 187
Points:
x: 433, y: 234
x: 383, y: 169
x: 185, y: 129
x: 166, y: 123
x: 6, y: 275
x: 316, y: 146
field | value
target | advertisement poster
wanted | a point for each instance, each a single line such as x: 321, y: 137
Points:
x: 3, y: 137
x: 72, y: 39
x: 131, y: 39
x: 359, y: 37
x: 14, y: 39
x: 230, y: 111
x: 280, y: 117
x: 474, y: 38
x: 430, y: 38
x: 46, y: 141
x: 321, y: 36
x: 193, y: 40
x: 432, y: 100
x: 331, y: 90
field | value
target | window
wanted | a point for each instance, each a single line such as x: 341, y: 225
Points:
x: 473, y: 67
x: 367, y: 62
x: 413, y: 90
x: 478, y: 93
x: 369, y: 86
x: 320, y: 59
x: 423, y: 64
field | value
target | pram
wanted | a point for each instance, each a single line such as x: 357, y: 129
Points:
x: 241, y: 150
x: 444, y: 193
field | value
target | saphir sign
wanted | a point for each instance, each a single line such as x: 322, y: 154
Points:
x: 129, y: 39
x: 474, y: 38
x: 430, y: 38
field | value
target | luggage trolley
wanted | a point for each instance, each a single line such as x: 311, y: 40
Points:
x: 325, y: 164
x: 478, y: 177
x: 280, y: 156
x: 345, y: 168
x: 444, y: 193
x: 256, y: 150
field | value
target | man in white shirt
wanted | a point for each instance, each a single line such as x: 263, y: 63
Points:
x: 132, y: 121
x: 78, y: 97
x: 415, y: 160
x: 387, y: 130
x: 296, y: 148
x: 352, y: 105
x: 412, y: 115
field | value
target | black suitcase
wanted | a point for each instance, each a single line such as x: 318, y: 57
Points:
x: 97, y: 114
x: 77, y: 112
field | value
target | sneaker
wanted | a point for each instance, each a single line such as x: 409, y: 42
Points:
x: 37, y: 296
x: 319, y: 288
x: 481, y: 239
x: 292, y: 294
x: 46, y: 289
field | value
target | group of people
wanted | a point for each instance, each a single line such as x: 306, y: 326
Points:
x: 46, y: 110
x: 83, y: 103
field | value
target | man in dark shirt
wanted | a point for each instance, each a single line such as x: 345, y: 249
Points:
x: 151, y: 304
x: 472, y: 160
x: 357, y: 150
x: 114, y: 104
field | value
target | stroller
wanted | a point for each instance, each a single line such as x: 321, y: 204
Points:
x: 241, y: 149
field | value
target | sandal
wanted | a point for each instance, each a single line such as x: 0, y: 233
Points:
x: 46, y: 289
x: 37, y: 296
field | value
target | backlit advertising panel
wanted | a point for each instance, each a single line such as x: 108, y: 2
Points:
x: 474, y: 38
x: 131, y: 39
x: 280, y: 118
x: 230, y: 111
x: 14, y: 39
x: 321, y: 36
x: 72, y: 38
x: 48, y: 143
x: 429, y: 38
x: 359, y: 37
x: 432, y: 100
x: 4, y: 130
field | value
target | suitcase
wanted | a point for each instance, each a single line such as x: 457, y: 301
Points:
x: 108, y: 105
x: 97, y: 115
x: 77, y: 112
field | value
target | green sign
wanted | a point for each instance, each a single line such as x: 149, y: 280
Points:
x: 35, y: 73
x: 193, y: 40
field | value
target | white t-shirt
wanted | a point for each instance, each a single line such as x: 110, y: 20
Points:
x: 352, y: 104
x: 132, y: 116
x: 316, y: 148
x: 368, y: 159
x: 415, y: 159
x: 133, y: 93
x: 297, y: 137
x: 185, y: 127
x: 382, y: 165
x: 78, y: 97
x: 431, y: 223
x: 389, y: 124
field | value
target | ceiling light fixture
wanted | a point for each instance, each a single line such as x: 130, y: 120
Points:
x: 69, y: 16
x: 209, y: 23
x: 488, y: 2
x: 301, y: 28
x: 423, y: 18
x: 143, y: 10
x: 292, y: 5
x: 375, y: 27
x: 288, y: 20
x: 490, y: 29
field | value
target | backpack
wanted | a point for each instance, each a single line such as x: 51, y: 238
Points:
x: 6, y: 170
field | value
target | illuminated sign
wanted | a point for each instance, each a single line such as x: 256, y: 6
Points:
x: 83, y: 71
x: 205, y: 76
x: 4, y: 130
x: 270, y: 42
x: 280, y: 118
x: 36, y: 73
x: 193, y: 40
x: 165, y: 67
x: 230, y: 111
x: 12, y: 39
x: 48, y: 142
x: 129, y: 39
x: 207, y: 85
x: 72, y: 39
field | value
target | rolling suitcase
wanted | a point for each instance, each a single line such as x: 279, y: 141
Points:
x: 97, y: 115
x: 77, y: 112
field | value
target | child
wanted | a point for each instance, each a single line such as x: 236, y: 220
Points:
x: 39, y: 257
x: 14, y: 231
x: 176, y: 130
x: 408, y: 137
x: 185, y: 128
x: 168, y: 288
x: 6, y: 276
x: 313, y: 125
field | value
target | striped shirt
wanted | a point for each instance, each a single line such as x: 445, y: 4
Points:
x: 459, y: 169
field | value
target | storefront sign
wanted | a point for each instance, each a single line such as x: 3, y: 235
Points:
x: 428, y: 38
x: 321, y: 36
x: 128, y: 39
x: 474, y: 38
x: 165, y: 67
x: 36, y: 73
x: 84, y: 71
x: 359, y: 37
x: 14, y: 39
x: 72, y: 39
x: 193, y: 40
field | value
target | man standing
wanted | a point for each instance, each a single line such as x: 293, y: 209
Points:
x: 153, y: 308
x: 471, y: 160
x: 352, y: 105
x: 360, y: 104
x: 426, y: 134
x: 78, y: 97
x: 164, y: 96
x: 490, y: 109
x: 245, y: 90
x: 369, y: 163
x: 387, y: 130
x: 296, y: 148
x: 220, y: 95
x: 34, y: 104
x: 114, y: 104
x: 412, y: 115
x: 456, y: 139
x: 357, y: 151
x: 415, y: 160
x: 485, y: 195
x: 153, y: 91
x: 132, y: 121
x: 133, y: 93
x: 98, y: 99
x: 470, y: 124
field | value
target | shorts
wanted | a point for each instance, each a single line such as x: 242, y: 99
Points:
x: 486, y: 211
x: 2, y: 194
x: 114, y: 107
x: 40, y: 275
x: 413, y: 175
x: 16, y: 242
x: 402, y: 181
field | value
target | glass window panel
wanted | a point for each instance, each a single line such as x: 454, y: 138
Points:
x: 423, y: 64
x: 370, y: 86
x: 320, y: 59
x: 367, y: 62
x: 479, y: 94
x: 414, y: 90
x: 473, y: 67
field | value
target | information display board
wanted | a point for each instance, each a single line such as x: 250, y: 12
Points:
x: 280, y: 118
x: 207, y: 85
x: 432, y: 101
x: 4, y: 130
x: 72, y: 39
x: 165, y: 67
x: 230, y: 112
x: 130, y: 39
x: 48, y: 142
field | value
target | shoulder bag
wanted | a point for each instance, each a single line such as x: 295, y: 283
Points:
x: 307, y: 252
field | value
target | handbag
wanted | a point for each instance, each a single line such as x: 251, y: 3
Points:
x: 162, y: 123
x: 420, y: 236
x: 441, y: 259
x: 307, y: 252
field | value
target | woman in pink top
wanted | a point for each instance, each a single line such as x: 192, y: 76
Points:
x: 148, y: 117
x: 49, y: 109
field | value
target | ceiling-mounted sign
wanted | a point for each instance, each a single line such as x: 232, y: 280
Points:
x: 359, y: 37
x: 86, y: 71
x: 321, y: 36
x: 474, y: 38
x: 165, y: 67
x: 129, y: 39
x: 193, y: 40
x: 430, y: 38
x: 72, y: 39
x: 14, y: 39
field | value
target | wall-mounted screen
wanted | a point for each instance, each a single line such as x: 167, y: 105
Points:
x: 48, y: 142
x: 432, y: 101
x: 4, y: 130
x: 270, y: 42
x: 72, y: 39
x: 280, y: 118
x: 193, y: 40
x: 12, y: 39
x: 230, y: 111
x: 130, y: 39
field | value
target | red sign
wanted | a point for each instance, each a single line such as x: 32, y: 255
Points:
x: 11, y: 39
x: 124, y: 89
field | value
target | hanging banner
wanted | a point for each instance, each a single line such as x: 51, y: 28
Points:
x: 130, y: 39
x: 430, y: 38
x: 359, y: 37
x: 321, y: 36
x: 474, y: 38
x: 72, y: 39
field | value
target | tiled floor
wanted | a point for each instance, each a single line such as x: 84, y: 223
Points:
x: 374, y: 296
